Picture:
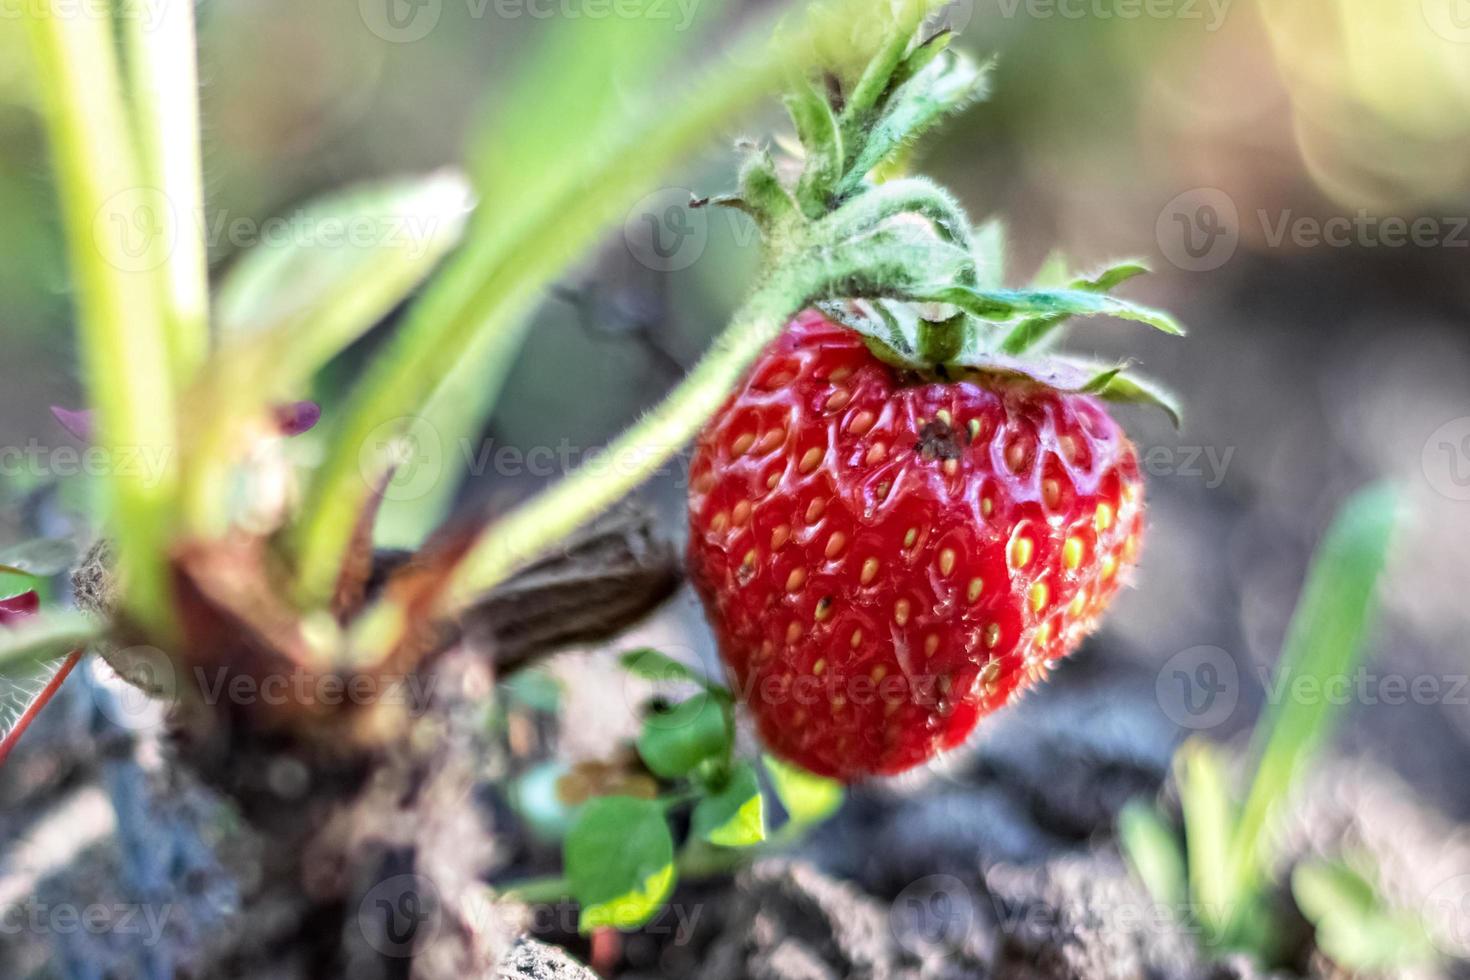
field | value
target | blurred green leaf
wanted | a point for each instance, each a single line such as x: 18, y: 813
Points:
x: 807, y: 797
x: 736, y: 815
x: 1153, y: 849
x: 42, y: 557
x: 350, y: 258
x: 619, y: 861
x: 43, y: 637
x: 1354, y: 926
x: 673, y: 742
x: 287, y: 309
x: 1324, y: 640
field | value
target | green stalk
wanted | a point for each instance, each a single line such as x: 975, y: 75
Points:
x: 124, y: 351
x: 159, y: 46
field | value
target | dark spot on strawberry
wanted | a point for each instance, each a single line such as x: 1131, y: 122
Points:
x: 937, y: 440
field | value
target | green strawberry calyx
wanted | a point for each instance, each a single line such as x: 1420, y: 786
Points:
x: 896, y: 259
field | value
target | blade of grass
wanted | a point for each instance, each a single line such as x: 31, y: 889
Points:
x: 123, y: 341
x: 499, y: 275
x: 159, y: 47
x: 1324, y: 640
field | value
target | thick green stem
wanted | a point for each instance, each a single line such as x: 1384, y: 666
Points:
x: 124, y: 350
x: 158, y: 39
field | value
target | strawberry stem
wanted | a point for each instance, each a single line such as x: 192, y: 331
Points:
x: 8, y: 743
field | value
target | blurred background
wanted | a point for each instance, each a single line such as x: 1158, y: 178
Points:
x: 1297, y: 174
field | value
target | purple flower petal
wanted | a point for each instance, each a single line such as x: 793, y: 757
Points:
x: 295, y: 418
x: 77, y: 423
x: 19, y: 607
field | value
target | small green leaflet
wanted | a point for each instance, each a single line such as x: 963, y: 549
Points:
x: 619, y: 862
x: 672, y: 743
x: 807, y: 797
x: 736, y: 815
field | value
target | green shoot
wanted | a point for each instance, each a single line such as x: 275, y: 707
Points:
x: 1229, y: 848
x: 125, y: 346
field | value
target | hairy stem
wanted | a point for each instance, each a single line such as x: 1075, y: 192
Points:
x: 8, y: 743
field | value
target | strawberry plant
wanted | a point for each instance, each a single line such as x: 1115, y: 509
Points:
x: 1219, y: 865
x: 967, y: 515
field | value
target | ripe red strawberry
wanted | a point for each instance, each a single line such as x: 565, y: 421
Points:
x: 886, y: 560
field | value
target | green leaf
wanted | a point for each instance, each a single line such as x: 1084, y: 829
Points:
x: 807, y: 797
x: 1037, y: 332
x: 736, y: 815
x: 42, y: 557
x: 43, y: 637
x: 1208, y: 827
x: 1324, y: 640
x: 1153, y: 850
x: 672, y: 743
x: 1354, y: 926
x: 652, y: 665
x: 1006, y: 304
x: 948, y: 83
x: 619, y: 861
x: 1129, y: 389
